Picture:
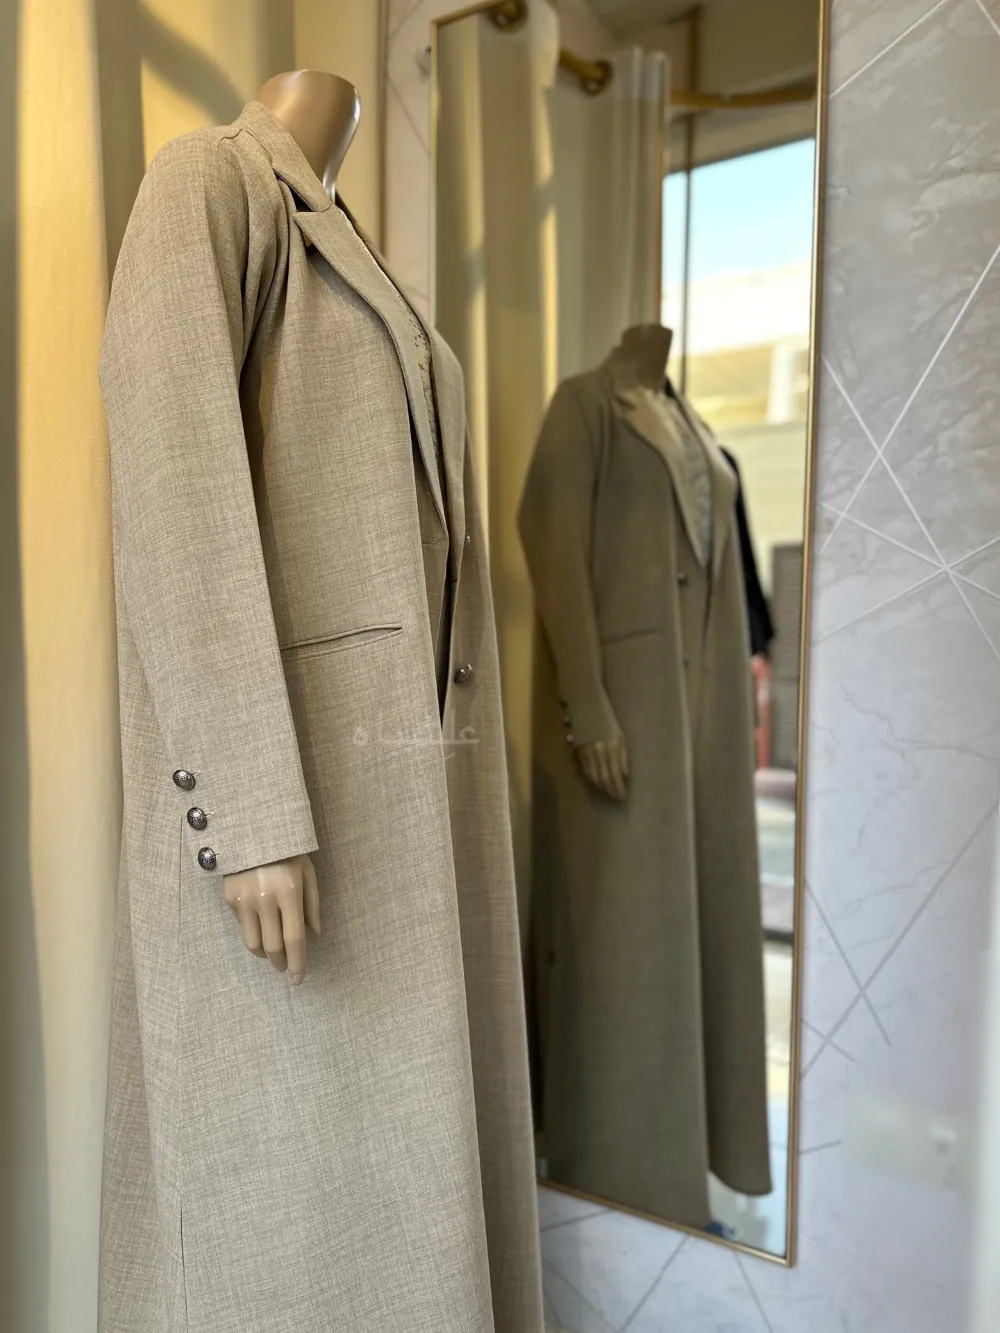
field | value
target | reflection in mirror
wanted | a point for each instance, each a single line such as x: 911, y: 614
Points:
x: 623, y: 263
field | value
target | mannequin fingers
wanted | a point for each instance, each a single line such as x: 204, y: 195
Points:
x: 293, y: 930
x: 250, y: 925
x: 271, y: 933
x: 620, y: 764
x: 604, y: 764
x: 311, y: 893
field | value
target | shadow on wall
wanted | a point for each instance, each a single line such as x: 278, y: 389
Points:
x: 23, y: 1167
x: 129, y: 34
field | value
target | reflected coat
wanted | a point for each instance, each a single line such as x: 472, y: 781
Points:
x: 646, y: 925
x: 354, y: 1154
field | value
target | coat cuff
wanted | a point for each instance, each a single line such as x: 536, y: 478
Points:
x: 224, y: 834
x: 587, y: 721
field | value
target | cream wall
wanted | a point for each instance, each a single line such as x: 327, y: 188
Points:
x: 346, y: 37
x: 904, y: 735
x: 69, y: 700
x: 94, y: 87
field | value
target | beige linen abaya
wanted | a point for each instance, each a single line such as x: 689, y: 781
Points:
x: 646, y: 915
x: 353, y: 1155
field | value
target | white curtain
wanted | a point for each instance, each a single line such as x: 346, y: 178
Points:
x: 609, y: 151
x: 493, y: 296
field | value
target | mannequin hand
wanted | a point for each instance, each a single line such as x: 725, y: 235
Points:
x: 605, y: 766
x: 274, y: 904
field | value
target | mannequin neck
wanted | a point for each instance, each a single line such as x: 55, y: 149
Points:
x: 641, y: 356
x: 321, y: 112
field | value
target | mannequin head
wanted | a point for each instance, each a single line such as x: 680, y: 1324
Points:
x: 321, y: 111
x: 645, y: 349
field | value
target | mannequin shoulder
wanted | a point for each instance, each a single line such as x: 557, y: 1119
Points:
x: 583, y: 395
x: 205, y: 176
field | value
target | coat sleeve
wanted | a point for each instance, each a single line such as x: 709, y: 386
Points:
x: 555, y: 523
x: 197, y: 257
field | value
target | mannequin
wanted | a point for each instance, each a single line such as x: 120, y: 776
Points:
x: 646, y: 919
x: 642, y: 356
x: 275, y: 903
x: 291, y: 493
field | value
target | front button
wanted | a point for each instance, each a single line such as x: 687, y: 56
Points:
x: 569, y: 738
x: 207, y: 858
x: 682, y: 578
x: 197, y: 818
x: 184, y: 779
x: 464, y: 674
x: 468, y: 539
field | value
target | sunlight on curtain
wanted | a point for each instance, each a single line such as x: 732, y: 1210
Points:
x: 495, y: 305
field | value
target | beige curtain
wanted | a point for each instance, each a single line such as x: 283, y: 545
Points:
x: 93, y: 87
x: 493, y: 285
x: 609, y: 155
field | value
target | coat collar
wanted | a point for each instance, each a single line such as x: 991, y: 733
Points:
x: 329, y: 227
x: 634, y: 407
x: 286, y: 157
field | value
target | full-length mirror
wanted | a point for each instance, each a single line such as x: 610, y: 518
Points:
x: 624, y: 235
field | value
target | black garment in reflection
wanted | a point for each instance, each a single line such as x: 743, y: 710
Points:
x: 758, y: 611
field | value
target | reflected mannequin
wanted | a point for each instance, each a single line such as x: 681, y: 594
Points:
x: 275, y: 903
x: 646, y: 919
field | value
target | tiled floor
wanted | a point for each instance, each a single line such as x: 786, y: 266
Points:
x: 612, y: 1257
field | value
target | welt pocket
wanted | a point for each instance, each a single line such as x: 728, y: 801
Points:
x: 623, y: 636
x: 340, y: 641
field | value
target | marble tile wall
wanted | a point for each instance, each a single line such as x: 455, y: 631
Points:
x: 904, y: 732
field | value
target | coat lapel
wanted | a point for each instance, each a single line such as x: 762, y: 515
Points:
x: 330, y: 232
x: 635, y: 407
x: 449, y: 392
x: 637, y: 410
x: 329, y: 228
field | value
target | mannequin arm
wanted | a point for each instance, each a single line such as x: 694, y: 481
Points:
x: 274, y: 904
x: 554, y: 520
x: 189, y: 567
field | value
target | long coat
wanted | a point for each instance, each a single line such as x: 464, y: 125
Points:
x: 646, y: 920
x: 354, y: 1154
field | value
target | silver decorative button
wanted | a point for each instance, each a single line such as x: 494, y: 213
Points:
x: 464, y: 674
x: 197, y: 818
x: 682, y: 577
x: 184, y: 779
x: 207, y: 858
x: 468, y: 539
x: 569, y: 738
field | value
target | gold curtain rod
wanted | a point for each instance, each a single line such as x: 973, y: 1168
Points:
x: 595, y: 75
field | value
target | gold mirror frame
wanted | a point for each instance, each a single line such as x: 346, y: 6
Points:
x: 509, y: 15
